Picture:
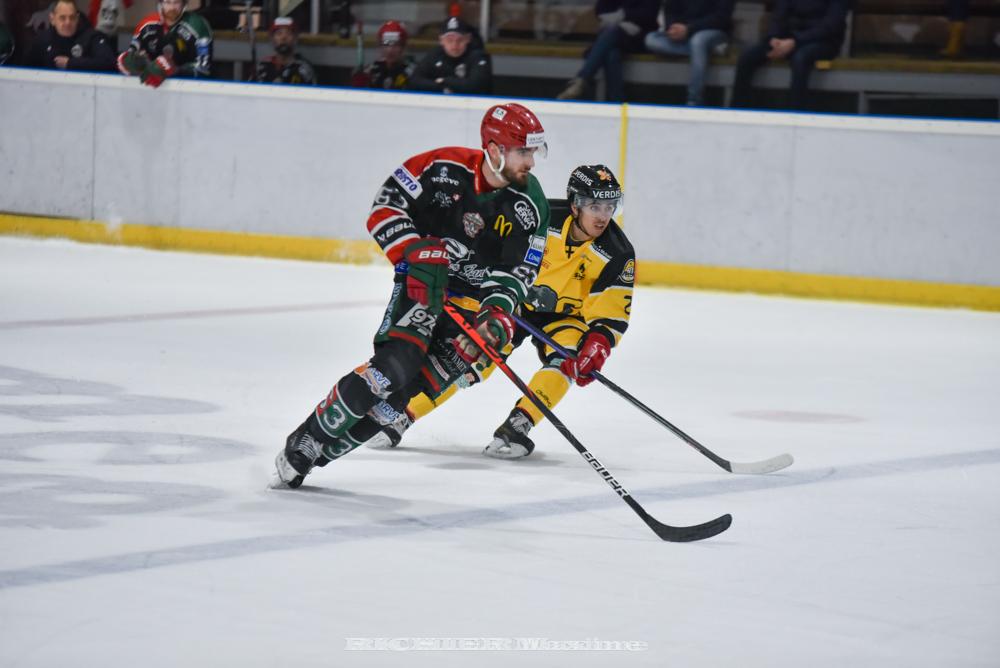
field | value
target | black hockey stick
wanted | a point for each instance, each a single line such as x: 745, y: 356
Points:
x: 764, y: 466
x: 664, y: 531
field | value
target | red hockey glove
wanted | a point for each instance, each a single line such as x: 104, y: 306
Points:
x: 494, y: 325
x: 593, y: 352
x: 427, y: 276
x: 157, y: 71
x: 131, y: 63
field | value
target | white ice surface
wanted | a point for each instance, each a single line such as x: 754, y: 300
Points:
x: 143, y: 396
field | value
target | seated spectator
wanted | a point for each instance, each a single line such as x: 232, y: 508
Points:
x: 25, y: 21
x: 393, y: 70
x: 800, y: 31
x: 70, y: 43
x: 169, y: 42
x: 6, y: 44
x: 624, y: 24
x: 958, y: 12
x: 693, y: 28
x: 105, y: 16
x: 453, y: 67
x: 286, y: 66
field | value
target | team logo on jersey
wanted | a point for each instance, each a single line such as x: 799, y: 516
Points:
x: 628, y: 273
x: 473, y: 223
x: 502, y: 226
x: 525, y: 215
x: 580, y: 272
x: 76, y: 51
x: 168, y: 51
x: 408, y: 181
x: 473, y: 274
x: 460, y: 70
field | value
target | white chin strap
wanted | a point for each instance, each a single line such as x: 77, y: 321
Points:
x: 497, y: 171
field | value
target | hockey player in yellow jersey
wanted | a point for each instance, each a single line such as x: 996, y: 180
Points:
x: 582, y: 299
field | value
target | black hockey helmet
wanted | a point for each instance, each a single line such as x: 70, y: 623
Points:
x: 593, y: 183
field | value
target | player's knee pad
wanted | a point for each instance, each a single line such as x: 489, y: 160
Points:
x: 398, y: 362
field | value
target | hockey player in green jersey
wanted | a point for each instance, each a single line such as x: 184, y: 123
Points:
x: 169, y: 42
x: 469, y: 222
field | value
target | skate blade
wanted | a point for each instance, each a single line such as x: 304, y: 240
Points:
x: 276, y: 482
x: 500, y: 450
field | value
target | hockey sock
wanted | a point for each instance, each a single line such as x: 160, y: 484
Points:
x: 350, y: 399
x: 550, y: 385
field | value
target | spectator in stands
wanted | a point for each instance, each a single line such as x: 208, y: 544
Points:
x: 454, y: 67
x: 800, y: 31
x: 286, y: 65
x: 169, y: 42
x: 105, y: 16
x: 958, y: 12
x: 25, y: 21
x: 693, y: 28
x: 6, y: 43
x: 624, y: 24
x: 393, y: 70
x: 70, y: 43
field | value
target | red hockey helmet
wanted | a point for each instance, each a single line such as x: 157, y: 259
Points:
x: 512, y: 125
x: 392, y: 32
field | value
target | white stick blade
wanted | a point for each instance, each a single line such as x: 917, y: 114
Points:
x: 765, y: 466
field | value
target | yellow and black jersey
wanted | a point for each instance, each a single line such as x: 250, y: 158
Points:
x: 591, y: 281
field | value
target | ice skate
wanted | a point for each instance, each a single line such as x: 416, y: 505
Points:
x: 510, y: 440
x: 296, y: 459
x: 390, y: 435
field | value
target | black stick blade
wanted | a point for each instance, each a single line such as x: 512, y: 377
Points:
x: 692, y: 533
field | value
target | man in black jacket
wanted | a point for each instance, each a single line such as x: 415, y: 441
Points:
x: 623, y: 28
x: 801, y: 31
x: 693, y: 28
x: 454, y: 66
x: 70, y: 43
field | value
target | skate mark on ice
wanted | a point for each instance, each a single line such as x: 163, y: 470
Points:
x: 76, y: 397
x: 476, y: 517
x: 190, y: 315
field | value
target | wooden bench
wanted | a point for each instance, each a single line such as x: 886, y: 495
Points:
x: 868, y: 77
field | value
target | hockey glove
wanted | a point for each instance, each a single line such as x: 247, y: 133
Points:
x: 131, y: 63
x: 497, y: 329
x: 427, y: 276
x: 157, y: 71
x: 593, y: 352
